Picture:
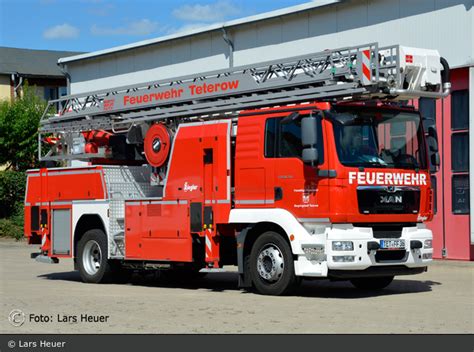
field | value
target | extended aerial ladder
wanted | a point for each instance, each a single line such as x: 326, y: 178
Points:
x: 359, y: 72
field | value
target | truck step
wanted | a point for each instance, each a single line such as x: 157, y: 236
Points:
x: 44, y: 259
x: 215, y: 270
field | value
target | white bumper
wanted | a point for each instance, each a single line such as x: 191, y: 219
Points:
x: 362, y: 257
x: 319, y: 233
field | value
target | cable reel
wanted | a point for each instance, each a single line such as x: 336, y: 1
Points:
x: 157, y: 144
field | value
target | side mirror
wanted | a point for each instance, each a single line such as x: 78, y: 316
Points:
x: 310, y: 156
x: 435, y: 160
x: 432, y: 144
x: 309, y: 139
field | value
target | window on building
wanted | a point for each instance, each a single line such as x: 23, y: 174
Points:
x: 460, y: 109
x: 50, y: 93
x: 460, y: 184
x: 284, y: 140
x: 460, y: 152
x: 434, y: 187
x: 62, y: 91
x: 427, y: 107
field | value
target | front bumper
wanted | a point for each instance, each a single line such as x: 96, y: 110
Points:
x: 365, y: 259
x: 376, y: 271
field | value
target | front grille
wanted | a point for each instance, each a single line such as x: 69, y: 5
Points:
x: 388, y: 200
x: 390, y: 255
x: 386, y: 230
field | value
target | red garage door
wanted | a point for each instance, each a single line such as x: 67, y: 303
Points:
x: 451, y: 183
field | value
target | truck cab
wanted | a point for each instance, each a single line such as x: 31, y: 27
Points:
x: 348, y: 183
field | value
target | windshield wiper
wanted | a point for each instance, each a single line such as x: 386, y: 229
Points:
x: 377, y: 163
x: 365, y: 164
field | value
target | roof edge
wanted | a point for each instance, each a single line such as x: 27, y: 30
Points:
x: 245, y: 20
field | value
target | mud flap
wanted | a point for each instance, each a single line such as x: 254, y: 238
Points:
x: 243, y: 262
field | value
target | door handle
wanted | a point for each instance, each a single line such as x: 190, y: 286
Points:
x: 278, y: 193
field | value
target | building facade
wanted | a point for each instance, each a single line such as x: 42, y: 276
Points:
x: 445, y: 25
x: 37, y: 67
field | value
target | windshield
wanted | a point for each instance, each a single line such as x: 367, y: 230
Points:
x: 379, y: 139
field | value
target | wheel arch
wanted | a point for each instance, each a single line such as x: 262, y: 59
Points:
x: 281, y: 219
x: 258, y: 229
x: 85, y: 223
x: 245, y: 241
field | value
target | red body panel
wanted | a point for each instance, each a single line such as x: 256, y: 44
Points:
x: 160, y: 229
x: 51, y: 189
x: 153, y: 231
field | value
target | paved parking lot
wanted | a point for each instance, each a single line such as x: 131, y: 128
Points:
x: 439, y: 301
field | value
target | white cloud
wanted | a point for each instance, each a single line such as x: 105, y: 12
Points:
x: 104, y: 10
x: 61, y: 31
x: 137, y: 28
x: 213, y: 12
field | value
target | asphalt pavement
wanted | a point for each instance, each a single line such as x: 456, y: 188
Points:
x: 50, y: 298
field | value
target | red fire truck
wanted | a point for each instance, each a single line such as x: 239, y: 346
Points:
x: 309, y: 167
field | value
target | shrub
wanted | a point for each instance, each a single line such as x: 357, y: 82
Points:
x: 10, y: 229
x: 12, y: 193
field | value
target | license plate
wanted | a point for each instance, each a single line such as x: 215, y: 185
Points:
x: 392, y: 244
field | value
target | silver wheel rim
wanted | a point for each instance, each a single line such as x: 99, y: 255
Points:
x: 270, y: 263
x: 92, y: 257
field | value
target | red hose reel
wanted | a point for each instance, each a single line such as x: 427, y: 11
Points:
x: 157, y: 145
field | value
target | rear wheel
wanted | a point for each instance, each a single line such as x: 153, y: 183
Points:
x: 271, y: 265
x: 372, y: 283
x: 94, y: 267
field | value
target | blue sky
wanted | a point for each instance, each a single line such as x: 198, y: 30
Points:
x: 88, y: 25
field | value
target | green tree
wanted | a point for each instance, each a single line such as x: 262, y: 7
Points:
x: 19, y: 122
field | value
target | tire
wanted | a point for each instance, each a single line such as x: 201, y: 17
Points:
x: 271, y: 265
x: 94, y: 267
x: 372, y: 283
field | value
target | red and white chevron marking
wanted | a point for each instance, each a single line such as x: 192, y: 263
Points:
x: 366, y: 72
x: 208, y: 244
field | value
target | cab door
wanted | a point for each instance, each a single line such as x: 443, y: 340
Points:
x: 300, y: 188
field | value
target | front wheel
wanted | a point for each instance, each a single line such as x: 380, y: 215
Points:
x: 372, y: 283
x: 271, y: 265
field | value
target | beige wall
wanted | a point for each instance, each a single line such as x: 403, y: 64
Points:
x: 5, y: 90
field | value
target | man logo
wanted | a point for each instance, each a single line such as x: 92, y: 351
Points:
x: 391, y: 199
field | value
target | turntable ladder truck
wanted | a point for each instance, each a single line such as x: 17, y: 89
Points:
x: 306, y: 167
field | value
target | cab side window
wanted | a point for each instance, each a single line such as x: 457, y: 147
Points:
x: 284, y: 140
x: 290, y: 141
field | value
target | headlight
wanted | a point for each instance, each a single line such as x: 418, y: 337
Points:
x: 342, y: 246
x: 428, y: 244
x: 343, y: 258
